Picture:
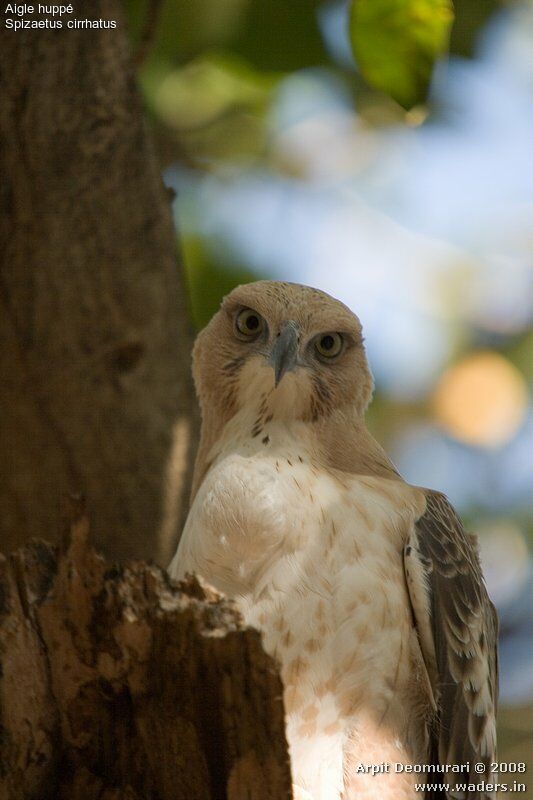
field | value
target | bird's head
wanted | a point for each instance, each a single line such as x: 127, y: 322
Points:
x: 290, y: 348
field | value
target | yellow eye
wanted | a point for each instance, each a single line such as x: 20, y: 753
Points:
x: 249, y: 323
x: 329, y: 345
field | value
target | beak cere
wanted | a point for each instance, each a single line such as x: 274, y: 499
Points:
x: 284, y: 352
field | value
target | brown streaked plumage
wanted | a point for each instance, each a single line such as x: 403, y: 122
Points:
x: 458, y: 629
x: 367, y: 590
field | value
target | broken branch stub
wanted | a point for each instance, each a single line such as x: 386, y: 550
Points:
x: 118, y: 684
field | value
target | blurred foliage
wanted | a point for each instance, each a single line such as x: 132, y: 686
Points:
x: 215, y: 105
x: 280, y: 35
x: 179, y: 30
x: 469, y: 20
x: 396, y: 43
x: 207, y: 284
x: 209, y: 71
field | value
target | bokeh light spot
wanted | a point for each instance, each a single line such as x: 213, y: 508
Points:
x: 481, y: 400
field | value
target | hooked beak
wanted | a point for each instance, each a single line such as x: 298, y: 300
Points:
x: 285, y: 350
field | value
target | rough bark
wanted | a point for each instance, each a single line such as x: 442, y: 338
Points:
x: 116, y: 684
x: 95, y: 393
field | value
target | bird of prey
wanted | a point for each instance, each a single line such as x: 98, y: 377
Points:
x: 367, y: 590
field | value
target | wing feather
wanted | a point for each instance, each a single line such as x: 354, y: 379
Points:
x: 458, y: 629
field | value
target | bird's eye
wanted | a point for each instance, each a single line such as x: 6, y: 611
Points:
x: 249, y: 323
x: 329, y: 345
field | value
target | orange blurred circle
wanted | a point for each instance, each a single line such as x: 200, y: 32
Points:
x: 481, y: 400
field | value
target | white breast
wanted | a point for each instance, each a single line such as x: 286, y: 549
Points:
x: 272, y: 528
x: 254, y: 504
x: 314, y: 560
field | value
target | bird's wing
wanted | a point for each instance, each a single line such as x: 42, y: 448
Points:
x: 457, y: 628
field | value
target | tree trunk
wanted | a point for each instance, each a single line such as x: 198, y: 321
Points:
x: 116, y: 684
x: 95, y: 393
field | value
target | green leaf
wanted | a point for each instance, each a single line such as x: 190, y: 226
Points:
x: 396, y: 42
